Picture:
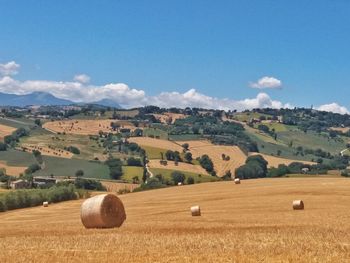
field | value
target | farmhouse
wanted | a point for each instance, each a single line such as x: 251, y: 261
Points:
x: 19, y: 184
x: 43, y: 181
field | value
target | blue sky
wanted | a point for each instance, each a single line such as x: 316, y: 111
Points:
x: 214, y: 47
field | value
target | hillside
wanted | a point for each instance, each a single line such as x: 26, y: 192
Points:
x: 246, y: 223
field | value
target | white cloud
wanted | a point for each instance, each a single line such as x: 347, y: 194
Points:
x: 193, y: 98
x: 82, y: 78
x: 9, y: 68
x: 80, y: 90
x: 333, y: 107
x: 266, y: 83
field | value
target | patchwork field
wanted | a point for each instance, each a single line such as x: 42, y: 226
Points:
x: 85, y: 127
x: 185, y: 167
x: 46, y: 150
x: 274, y: 161
x: 157, y: 143
x: 251, y: 222
x: 6, y: 130
x: 237, y: 157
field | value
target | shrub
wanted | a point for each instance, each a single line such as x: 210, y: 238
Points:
x: 3, y: 146
x: 73, y: 149
x: 190, y: 180
x: 134, y: 161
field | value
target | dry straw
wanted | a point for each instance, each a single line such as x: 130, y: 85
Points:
x: 298, y: 205
x: 196, y: 210
x: 103, y: 211
x: 237, y: 181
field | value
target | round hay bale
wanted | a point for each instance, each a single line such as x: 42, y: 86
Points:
x: 102, y: 211
x: 45, y: 204
x: 196, y: 210
x: 237, y: 181
x: 298, y: 205
x: 179, y: 183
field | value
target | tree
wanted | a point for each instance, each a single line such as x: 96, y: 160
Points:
x: 188, y: 157
x: 37, y: 122
x: 206, y: 163
x: 79, y: 173
x: 190, y: 180
x: 185, y: 146
x: 178, y: 177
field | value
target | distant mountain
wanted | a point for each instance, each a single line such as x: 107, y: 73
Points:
x: 107, y: 103
x: 43, y: 99
x: 35, y: 98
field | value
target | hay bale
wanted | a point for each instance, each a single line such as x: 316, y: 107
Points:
x: 179, y: 183
x: 298, y: 205
x: 45, y: 204
x: 196, y: 210
x: 237, y: 181
x: 102, y: 211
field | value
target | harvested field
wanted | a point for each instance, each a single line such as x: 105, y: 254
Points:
x: 158, y: 143
x: 274, y: 161
x: 260, y: 227
x: 115, y: 187
x: 46, y: 150
x: 168, y: 117
x: 85, y: 127
x: 237, y: 157
x: 185, y: 167
x: 12, y: 170
x: 5, y: 130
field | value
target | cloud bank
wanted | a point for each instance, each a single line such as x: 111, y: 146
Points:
x: 80, y: 90
x: 333, y: 107
x: 266, y: 83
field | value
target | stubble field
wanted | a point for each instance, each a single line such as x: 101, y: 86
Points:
x: 251, y: 222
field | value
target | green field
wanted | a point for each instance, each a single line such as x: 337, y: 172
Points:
x: 68, y: 167
x: 278, y: 127
x: 17, y: 158
x: 197, y: 177
x: 185, y: 137
x: 246, y: 116
x: 89, y: 149
x: 156, y: 133
x: 153, y: 152
x: 131, y: 171
x: 17, y: 123
x: 312, y: 140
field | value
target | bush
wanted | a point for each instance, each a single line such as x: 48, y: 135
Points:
x: 34, y: 197
x: 79, y: 173
x: 73, y: 149
x: 89, y: 184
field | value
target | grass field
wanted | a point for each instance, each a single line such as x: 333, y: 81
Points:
x: 17, y: 122
x: 12, y: 170
x: 153, y: 152
x: 68, y: 167
x: 155, y: 132
x: 156, y: 143
x: 251, y: 222
x: 88, y: 148
x: 131, y: 171
x: 17, y: 158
